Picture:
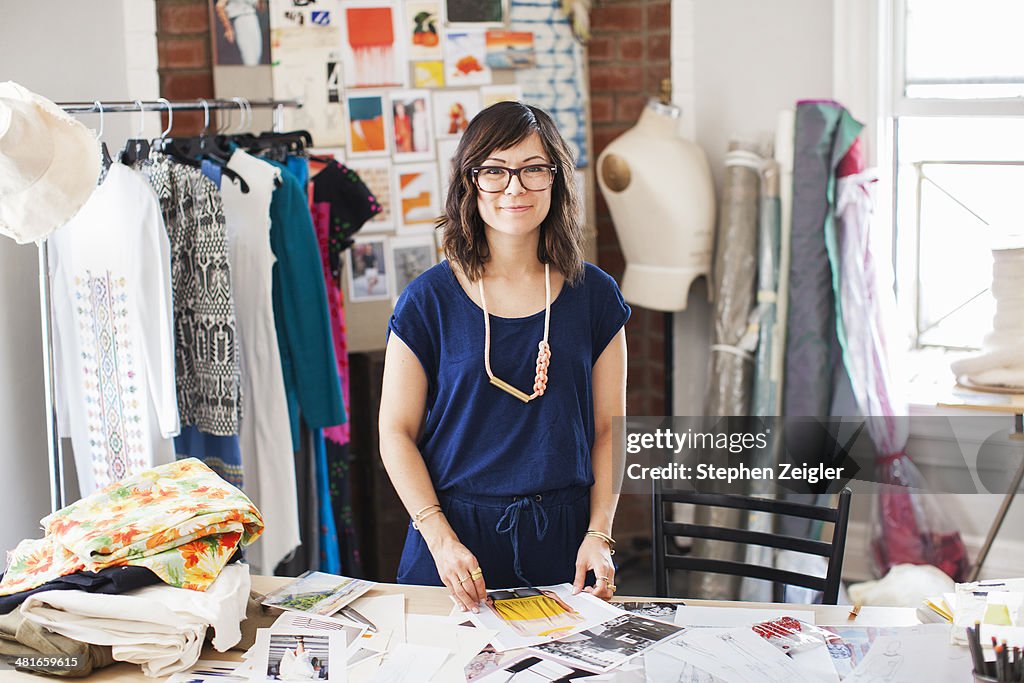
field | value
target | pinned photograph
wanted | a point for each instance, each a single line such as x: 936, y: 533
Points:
x: 298, y: 655
x: 317, y: 592
x: 428, y: 74
x: 510, y: 49
x: 477, y: 12
x: 610, y: 644
x: 376, y: 174
x: 367, y: 270
x: 465, y: 58
x: 411, y: 125
x: 453, y: 110
x: 422, y: 28
x: 374, y: 55
x: 411, y: 257
x: 367, y: 128
x: 418, y: 200
x: 534, y: 615
x: 492, y: 94
x: 241, y: 31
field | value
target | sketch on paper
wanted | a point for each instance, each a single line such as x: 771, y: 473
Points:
x: 492, y: 94
x: 465, y: 58
x: 428, y: 74
x: 374, y: 56
x: 418, y: 200
x: 422, y: 29
x: 453, y: 110
x: 510, y: 49
x: 367, y: 125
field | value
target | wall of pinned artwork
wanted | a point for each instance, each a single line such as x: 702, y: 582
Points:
x: 389, y: 87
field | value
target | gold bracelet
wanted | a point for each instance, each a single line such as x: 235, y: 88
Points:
x: 604, y: 537
x: 424, y: 509
x: 421, y: 517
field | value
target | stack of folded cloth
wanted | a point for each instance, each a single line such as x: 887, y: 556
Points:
x: 1001, y: 364
x: 138, y: 567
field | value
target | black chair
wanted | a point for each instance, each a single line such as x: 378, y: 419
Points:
x: 666, y: 556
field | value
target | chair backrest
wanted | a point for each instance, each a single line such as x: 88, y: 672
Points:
x: 664, y: 529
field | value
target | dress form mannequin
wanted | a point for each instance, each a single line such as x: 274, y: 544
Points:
x: 659, y: 191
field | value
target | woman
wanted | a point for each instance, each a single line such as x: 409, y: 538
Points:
x: 505, y: 487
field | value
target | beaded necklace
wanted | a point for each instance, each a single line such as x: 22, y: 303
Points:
x: 540, y: 381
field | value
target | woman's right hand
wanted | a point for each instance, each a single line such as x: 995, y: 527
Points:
x: 456, y: 566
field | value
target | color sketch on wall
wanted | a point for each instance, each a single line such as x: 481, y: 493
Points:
x: 376, y: 173
x: 492, y: 94
x: 453, y: 110
x: 429, y: 74
x: 374, y: 56
x: 465, y: 58
x: 483, y: 12
x: 422, y: 29
x: 418, y: 197
x: 556, y: 83
x: 367, y: 125
x: 510, y: 49
x: 410, y: 122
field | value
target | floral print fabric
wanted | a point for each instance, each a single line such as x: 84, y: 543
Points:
x: 180, y: 520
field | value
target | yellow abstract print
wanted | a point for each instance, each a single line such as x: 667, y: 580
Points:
x: 541, y: 614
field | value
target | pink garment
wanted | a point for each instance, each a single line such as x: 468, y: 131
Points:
x: 321, y: 212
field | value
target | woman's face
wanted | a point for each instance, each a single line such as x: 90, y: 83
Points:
x: 516, y: 211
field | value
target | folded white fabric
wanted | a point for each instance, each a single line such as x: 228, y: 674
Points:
x: 160, y: 627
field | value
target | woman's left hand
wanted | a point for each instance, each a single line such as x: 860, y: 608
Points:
x: 595, y: 555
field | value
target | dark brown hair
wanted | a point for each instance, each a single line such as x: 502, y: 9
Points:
x: 498, y: 127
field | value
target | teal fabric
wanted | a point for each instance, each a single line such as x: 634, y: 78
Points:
x: 300, y: 312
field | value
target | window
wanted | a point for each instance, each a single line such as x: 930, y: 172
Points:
x: 957, y: 117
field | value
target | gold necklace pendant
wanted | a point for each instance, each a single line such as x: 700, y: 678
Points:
x: 543, y: 349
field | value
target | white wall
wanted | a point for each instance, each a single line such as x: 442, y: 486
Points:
x: 66, y: 50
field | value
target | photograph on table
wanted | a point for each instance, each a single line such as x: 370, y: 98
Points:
x: 492, y: 94
x: 213, y: 671
x: 421, y: 27
x: 351, y: 632
x: 317, y: 593
x: 367, y: 129
x: 453, y: 110
x: 368, y: 269
x: 298, y: 655
x: 428, y: 74
x: 534, y: 615
x: 376, y: 173
x: 445, y: 158
x: 418, y: 198
x: 374, y: 55
x: 410, y: 257
x: 510, y: 49
x: 411, y: 126
x: 608, y: 645
x: 476, y: 12
x: 666, y: 611
x: 241, y: 30
x: 465, y: 58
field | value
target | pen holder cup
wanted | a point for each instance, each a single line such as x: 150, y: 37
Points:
x: 983, y: 678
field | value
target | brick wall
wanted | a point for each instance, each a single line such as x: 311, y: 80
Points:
x: 186, y: 70
x: 630, y: 54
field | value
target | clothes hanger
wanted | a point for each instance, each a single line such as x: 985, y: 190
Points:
x: 137, y: 148
x: 104, y: 150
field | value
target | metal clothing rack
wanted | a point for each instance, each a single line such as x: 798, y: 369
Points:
x: 58, y: 490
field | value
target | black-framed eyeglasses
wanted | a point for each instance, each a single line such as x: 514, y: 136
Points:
x: 534, y: 177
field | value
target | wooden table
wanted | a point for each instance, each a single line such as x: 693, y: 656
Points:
x: 964, y: 398
x: 435, y: 601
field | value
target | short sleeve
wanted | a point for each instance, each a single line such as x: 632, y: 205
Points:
x: 609, y: 310
x: 410, y: 323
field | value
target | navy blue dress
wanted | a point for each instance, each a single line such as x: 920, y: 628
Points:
x: 513, y: 478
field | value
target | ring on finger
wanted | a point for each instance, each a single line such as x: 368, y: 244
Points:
x: 464, y: 579
x: 476, y: 574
